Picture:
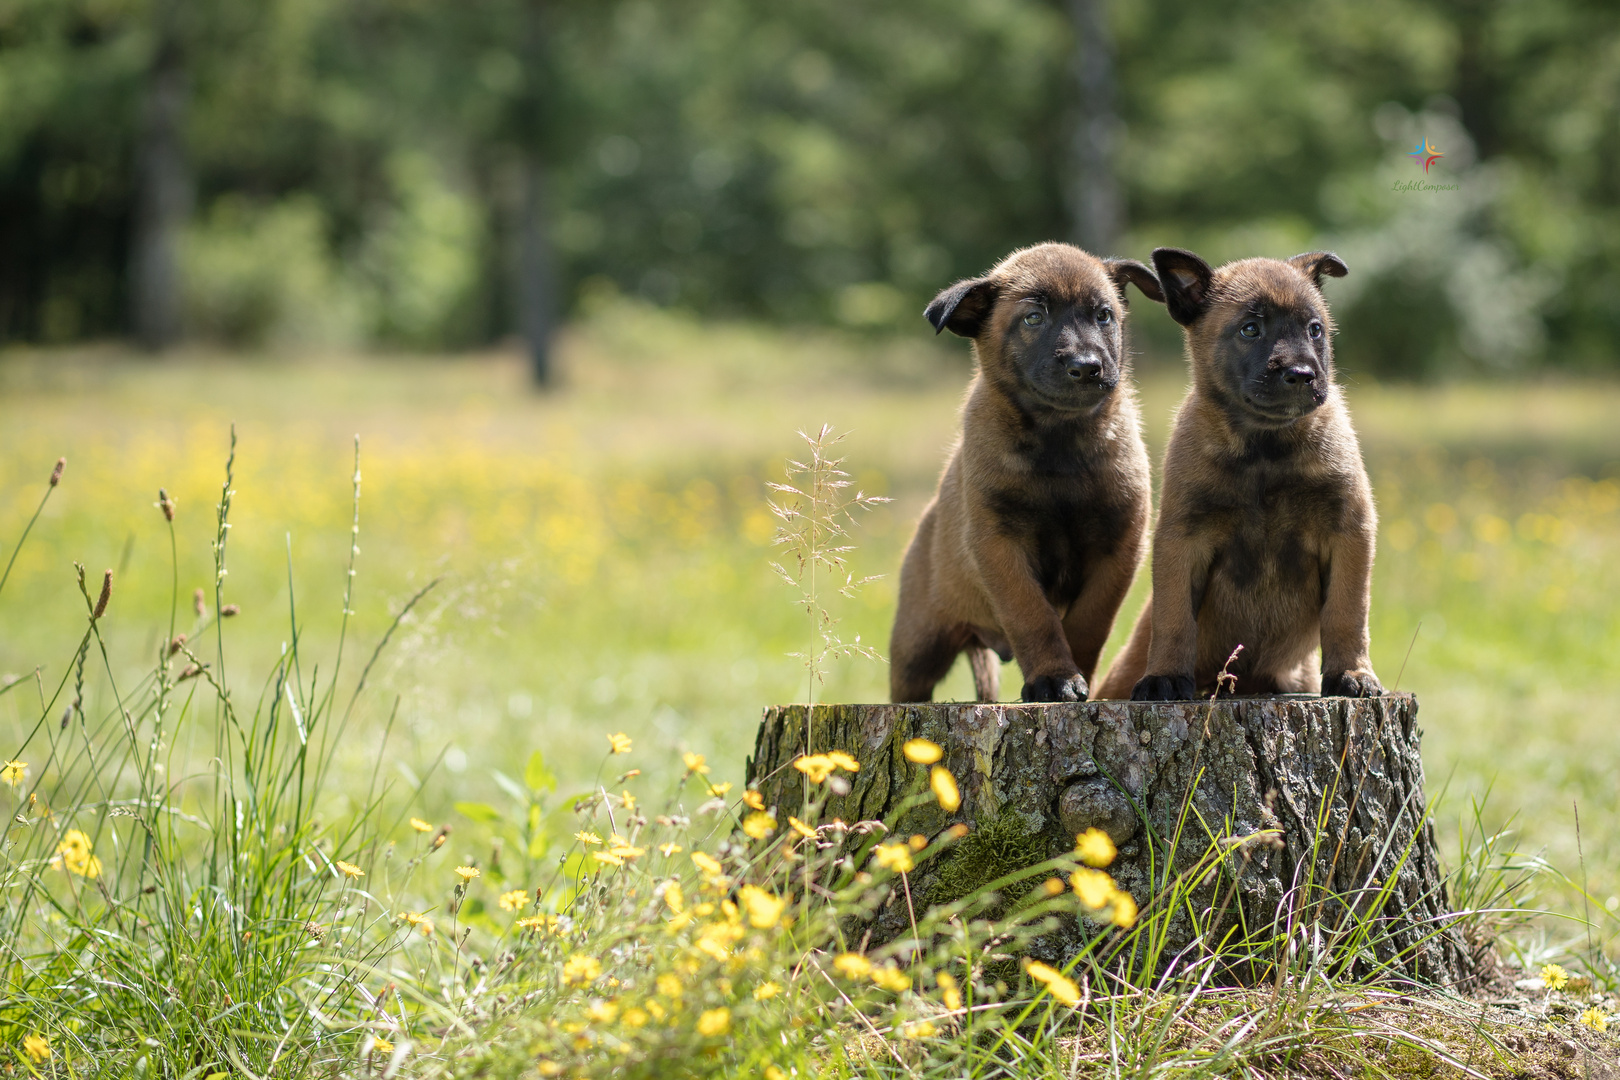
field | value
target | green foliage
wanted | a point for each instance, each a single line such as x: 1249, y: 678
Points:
x: 990, y: 852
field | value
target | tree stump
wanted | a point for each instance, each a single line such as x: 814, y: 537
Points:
x: 1332, y: 786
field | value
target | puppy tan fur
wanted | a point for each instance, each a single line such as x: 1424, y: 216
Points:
x: 1266, y: 522
x: 1040, y: 520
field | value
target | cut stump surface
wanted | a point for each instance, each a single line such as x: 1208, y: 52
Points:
x: 1329, y: 792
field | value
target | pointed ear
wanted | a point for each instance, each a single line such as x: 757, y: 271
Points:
x: 1129, y: 270
x: 1317, y: 263
x: 1184, y: 277
x: 963, y: 307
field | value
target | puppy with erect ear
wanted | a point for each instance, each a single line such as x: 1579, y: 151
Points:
x: 1032, y: 540
x: 1266, y: 521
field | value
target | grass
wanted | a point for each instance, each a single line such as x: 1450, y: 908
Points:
x: 603, y: 566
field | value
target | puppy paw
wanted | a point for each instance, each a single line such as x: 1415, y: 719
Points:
x: 1351, y: 684
x: 1164, y: 688
x: 1056, y: 688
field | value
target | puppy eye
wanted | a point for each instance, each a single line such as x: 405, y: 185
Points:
x: 1250, y: 330
x: 1315, y: 330
x: 1034, y: 318
x: 1104, y: 317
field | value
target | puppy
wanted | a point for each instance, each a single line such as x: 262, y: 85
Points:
x: 1266, y: 522
x: 1032, y: 540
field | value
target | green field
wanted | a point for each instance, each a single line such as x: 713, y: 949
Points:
x: 603, y: 554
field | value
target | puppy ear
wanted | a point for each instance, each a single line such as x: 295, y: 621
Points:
x: 1184, y: 277
x: 1317, y: 263
x: 962, y: 308
x: 1129, y: 270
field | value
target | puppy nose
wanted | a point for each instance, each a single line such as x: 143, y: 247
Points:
x: 1084, y: 367
x: 1297, y: 374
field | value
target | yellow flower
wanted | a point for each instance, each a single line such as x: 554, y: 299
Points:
x: 666, y: 850
x: 773, y: 1073
x: 816, y: 766
x: 603, y: 1012
x: 694, y: 763
x: 516, y: 900
x: 542, y: 923
x: 1095, y: 847
x: 14, y: 773
x: 922, y: 751
x: 753, y: 800
x: 1594, y: 1019
x: 629, y: 801
x: 581, y: 968
x: 73, y: 855
x: 948, y: 991
x: 634, y: 1017
x: 896, y: 857
x: 707, y: 863
x: 1124, y: 909
x: 719, y: 790
x: 669, y: 985
x: 891, y: 979
x: 467, y: 873
x: 919, y: 1029
x: 853, y: 965
x: 420, y: 826
x: 843, y: 761
x: 1553, y: 977
x: 767, y: 990
x: 608, y: 858
x: 759, y: 825
x: 1095, y: 888
x: 714, y: 1022
x: 37, y: 1047
x: 587, y: 838
x: 945, y: 790
x: 1061, y: 986
x: 619, y: 743
x: 350, y: 870
x: 381, y: 1045
x: 423, y: 924
x: 801, y: 828
x: 625, y: 850
x: 764, y: 908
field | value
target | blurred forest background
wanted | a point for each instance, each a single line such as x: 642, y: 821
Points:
x: 418, y: 175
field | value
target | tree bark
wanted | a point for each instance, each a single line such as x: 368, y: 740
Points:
x: 1093, y: 190
x: 1333, y: 787
x: 534, y: 280
x: 162, y: 194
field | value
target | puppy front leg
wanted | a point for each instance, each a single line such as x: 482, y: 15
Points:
x: 1180, y: 570
x: 1029, y: 621
x: 1091, y: 616
x: 1346, y: 645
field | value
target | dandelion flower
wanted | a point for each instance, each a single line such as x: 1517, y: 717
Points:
x: 674, y: 897
x: 73, y: 854
x: 1095, y: 847
x: 707, y: 863
x: 15, y: 773
x: 767, y: 990
x: 634, y: 1017
x: 714, y: 1022
x: 753, y: 800
x: 719, y: 790
x: 581, y: 968
x: 608, y: 858
x: 420, y: 826
x: 922, y: 751
x: 801, y: 828
x: 587, y: 838
x: 891, y: 979
x: 467, y: 873
x: 666, y: 850
x: 843, y: 761
x: 694, y: 763
x: 773, y: 1073
x: 945, y: 789
x: 1060, y: 985
x: 1095, y: 888
x: 896, y: 857
x: 1554, y: 977
x: 619, y: 743
x: 539, y: 923
x: 759, y: 824
x: 949, y: 993
x: 1594, y: 1019
x: 423, y: 924
x: 628, y: 800
x: 1124, y: 915
x: 669, y: 985
x: 816, y: 766
x: 350, y: 870
x: 37, y: 1047
x: 764, y: 908
x: 853, y: 965
x: 603, y: 1012
x: 516, y: 900
x: 381, y: 1045
x: 919, y: 1029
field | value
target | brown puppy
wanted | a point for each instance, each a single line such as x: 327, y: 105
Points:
x: 1266, y: 522
x: 1039, y: 523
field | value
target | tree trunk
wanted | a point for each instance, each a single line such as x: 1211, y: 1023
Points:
x: 162, y: 195
x: 534, y: 281
x: 1093, y: 190
x: 1334, y: 787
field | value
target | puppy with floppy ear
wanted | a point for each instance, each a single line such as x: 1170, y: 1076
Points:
x: 1266, y: 522
x: 1032, y: 540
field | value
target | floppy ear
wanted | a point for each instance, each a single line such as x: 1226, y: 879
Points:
x: 962, y: 308
x: 1317, y: 263
x: 1123, y: 270
x: 1184, y: 277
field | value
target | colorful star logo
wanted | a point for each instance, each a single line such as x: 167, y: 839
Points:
x: 1429, y: 154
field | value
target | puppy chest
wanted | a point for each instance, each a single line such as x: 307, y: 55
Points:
x: 1063, y: 536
